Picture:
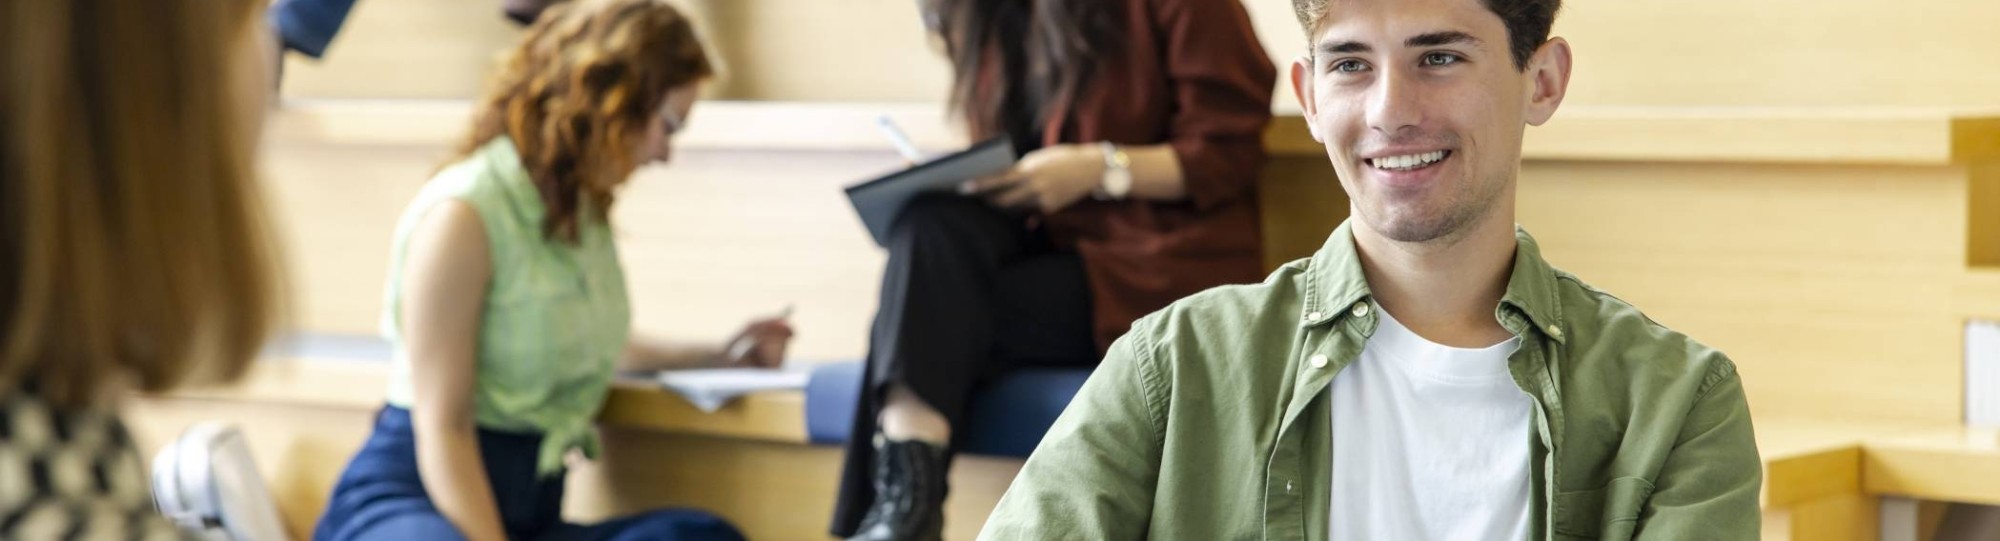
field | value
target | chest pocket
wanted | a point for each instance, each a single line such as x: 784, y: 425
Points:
x: 1608, y: 513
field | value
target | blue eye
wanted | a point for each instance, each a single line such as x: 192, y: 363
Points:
x: 1349, y: 66
x: 1441, y: 59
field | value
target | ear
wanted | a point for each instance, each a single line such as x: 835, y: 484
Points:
x: 1302, y: 88
x: 1548, y: 74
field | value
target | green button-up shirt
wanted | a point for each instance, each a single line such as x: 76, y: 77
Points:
x: 554, y: 319
x: 1210, y: 420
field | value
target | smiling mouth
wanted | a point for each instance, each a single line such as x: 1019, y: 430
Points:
x: 1409, y: 162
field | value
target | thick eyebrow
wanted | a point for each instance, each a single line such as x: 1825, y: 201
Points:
x: 1434, y: 39
x: 1343, y: 47
x: 1431, y: 39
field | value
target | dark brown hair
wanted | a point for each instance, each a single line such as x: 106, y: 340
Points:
x: 133, y: 247
x: 1528, y: 22
x: 579, y: 90
x: 1064, y: 42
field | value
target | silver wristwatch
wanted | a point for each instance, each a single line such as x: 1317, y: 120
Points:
x: 1117, y: 181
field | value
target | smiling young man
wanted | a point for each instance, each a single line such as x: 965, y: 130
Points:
x: 1426, y: 375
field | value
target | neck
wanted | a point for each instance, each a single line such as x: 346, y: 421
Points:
x: 1446, y: 289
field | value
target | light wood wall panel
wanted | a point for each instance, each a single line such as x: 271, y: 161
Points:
x: 720, y: 237
x: 805, y: 50
x: 1301, y: 201
x: 1645, y: 52
x: 336, y: 208
x: 1784, y: 52
x: 1831, y: 287
x: 406, y: 49
x: 1983, y: 220
x: 1637, y: 52
x: 709, y: 243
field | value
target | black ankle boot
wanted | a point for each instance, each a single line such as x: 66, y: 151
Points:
x: 910, y: 479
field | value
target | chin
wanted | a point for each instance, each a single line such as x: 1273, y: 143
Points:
x: 1415, y: 232
x: 1416, y: 226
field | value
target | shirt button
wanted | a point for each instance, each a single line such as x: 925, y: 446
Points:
x: 1313, y: 316
x: 1556, y: 332
x: 1361, y: 309
x: 1288, y: 487
x: 1318, y: 361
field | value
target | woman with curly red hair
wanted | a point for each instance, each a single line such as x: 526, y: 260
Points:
x: 506, y: 301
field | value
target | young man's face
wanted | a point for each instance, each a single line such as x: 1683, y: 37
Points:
x: 1421, y: 109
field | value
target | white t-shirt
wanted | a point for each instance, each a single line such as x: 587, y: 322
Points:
x: 1429, y: 442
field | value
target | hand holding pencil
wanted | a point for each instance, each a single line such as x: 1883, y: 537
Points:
x: 762, y: 343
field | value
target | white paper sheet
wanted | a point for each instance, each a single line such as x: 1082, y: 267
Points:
x: 711, y: 388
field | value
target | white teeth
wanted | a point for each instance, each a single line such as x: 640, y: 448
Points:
x: 1411, y: 161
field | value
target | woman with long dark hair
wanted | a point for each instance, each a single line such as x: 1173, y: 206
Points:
x: 1139, y: 124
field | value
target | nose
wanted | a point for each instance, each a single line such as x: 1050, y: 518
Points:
x: 1394, y: 103
x: 665, y: 150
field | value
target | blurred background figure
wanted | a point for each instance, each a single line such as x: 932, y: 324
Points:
x: 1139, y: 124
x: 308, y: 26
x: 133, y: 249
x: 506, y: 302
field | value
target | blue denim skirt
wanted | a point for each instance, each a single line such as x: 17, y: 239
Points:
x: 381, y: 496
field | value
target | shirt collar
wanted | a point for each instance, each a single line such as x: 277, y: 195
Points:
x: 503, y: 160
x: 1335, y: 282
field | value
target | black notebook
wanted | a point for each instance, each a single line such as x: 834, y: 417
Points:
x: 879, y: 201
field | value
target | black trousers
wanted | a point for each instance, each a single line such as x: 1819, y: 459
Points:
x: 970, y: 293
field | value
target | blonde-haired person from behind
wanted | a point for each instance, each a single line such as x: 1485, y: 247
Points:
x: 132, y: 249
x: 506, y: 301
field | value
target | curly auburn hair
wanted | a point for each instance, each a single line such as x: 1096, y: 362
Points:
x: 579, y: 91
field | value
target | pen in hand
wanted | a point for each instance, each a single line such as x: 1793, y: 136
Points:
x: 897, y: 138
x: 741, y: 346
